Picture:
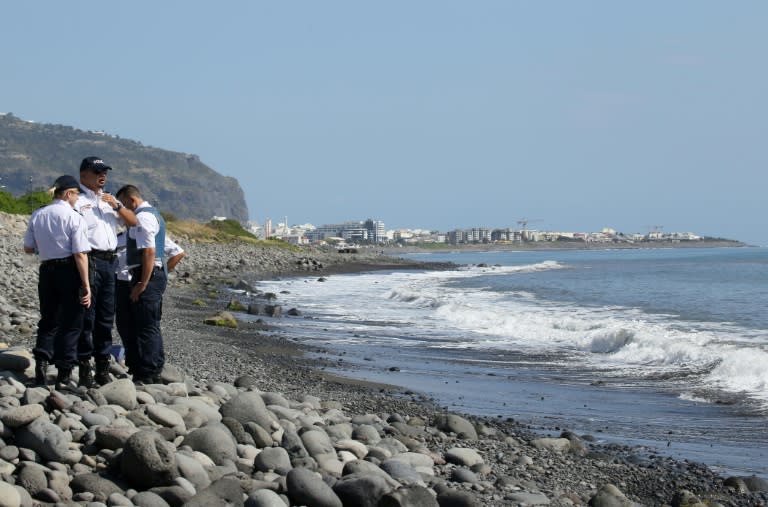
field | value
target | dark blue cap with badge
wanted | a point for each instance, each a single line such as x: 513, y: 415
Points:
x: 94, y: 164
x: 65, y: 183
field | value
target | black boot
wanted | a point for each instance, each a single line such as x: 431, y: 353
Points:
x: 41, y: 365
x: 85, y: 375
x: 102, y: 371
x: 64, y: 380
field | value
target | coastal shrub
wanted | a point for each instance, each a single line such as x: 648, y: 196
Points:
x: 25, y: 204
x: 199, y: 302
x: 231, y: 227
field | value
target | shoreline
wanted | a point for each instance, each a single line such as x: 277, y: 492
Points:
x: 517, y: 466
x: 563, y: 245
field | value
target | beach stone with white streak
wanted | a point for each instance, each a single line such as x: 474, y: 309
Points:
x: 308, y: 488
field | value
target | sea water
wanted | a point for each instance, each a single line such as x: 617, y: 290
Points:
x: 662, y: 348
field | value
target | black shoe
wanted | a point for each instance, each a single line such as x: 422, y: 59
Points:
x: 64, y: 380
x: 141, y: 380
x: 102, y: 372
x: 85, y: 375
x: 41, y: 365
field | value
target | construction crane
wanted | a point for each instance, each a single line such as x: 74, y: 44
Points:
x: 655, y: 231
x: 523, y: 224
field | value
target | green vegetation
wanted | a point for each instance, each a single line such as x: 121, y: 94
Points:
x: 25, y: 204
x: 231, y: 228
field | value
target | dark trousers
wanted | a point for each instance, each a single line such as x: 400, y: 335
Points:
x: 96, y: 336
x: 143, y: 342
x: 61, y: 314
x: 124, y: 321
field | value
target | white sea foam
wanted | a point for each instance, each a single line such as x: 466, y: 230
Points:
x: 431, y: 312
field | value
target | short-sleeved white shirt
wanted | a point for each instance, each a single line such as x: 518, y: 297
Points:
x: 123, y: 273
x: 57, y: 231
x: 101, y: 219
x: 145, y: 231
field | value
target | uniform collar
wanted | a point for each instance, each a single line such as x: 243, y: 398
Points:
x: 90, y: 194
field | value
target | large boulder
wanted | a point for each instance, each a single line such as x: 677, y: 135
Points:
x: 49, y: 441
x: 215, y: 441
x: 148, y: 460
x: 248, y: 407
x: 308, y: 488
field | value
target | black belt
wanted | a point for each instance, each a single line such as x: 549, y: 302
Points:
x: 58, y: 262
x: 105, y: 255
x: 137, y: 271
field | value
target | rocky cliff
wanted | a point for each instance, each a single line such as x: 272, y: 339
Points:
x: 32, y: 155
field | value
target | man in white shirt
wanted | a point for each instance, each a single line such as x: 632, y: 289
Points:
x: 123, y: 318
x: 103, y: 214
x: 145, y: 260
x: 57, y: 233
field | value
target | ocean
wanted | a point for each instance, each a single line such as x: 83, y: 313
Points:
x: 664, y: 349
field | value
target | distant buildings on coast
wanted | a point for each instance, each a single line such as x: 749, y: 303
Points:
x: 373, y: 232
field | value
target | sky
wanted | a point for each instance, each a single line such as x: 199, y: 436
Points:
x: 575, y: 115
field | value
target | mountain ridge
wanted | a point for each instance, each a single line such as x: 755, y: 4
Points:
x: 33, y: 155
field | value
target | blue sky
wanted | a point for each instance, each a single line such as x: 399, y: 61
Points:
x: 433, y: 114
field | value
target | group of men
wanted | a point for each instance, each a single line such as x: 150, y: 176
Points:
x: 104, y: 258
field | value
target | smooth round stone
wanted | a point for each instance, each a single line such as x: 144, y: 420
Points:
x: 165, y: 416
x: 463, y: 456
x: 9, y: 496
x: 308, y: 488
x: 94, y: 419
x: 264, y: 498
x: 20, y: 416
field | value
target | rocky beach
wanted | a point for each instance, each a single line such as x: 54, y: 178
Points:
x: 242, y: 418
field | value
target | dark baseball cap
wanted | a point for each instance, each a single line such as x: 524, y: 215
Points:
x: 95, y: 164
x: 65, y: 183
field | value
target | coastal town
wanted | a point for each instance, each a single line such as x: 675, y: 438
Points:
x: 374, y: 232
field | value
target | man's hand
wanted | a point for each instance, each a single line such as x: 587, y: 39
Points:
x: 85, y: 297
x: 136, y: 291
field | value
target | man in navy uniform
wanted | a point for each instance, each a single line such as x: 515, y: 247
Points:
x: 145, y: 260
x: 57, y: 233
x: 103, y: 214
